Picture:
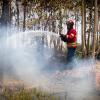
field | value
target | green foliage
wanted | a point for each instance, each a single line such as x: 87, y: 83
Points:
x: 54, y: 5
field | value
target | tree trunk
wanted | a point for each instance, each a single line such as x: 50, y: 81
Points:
x: 98, y: 41
x: 17, y: 6
x: 75, y: 11
x: 83, y: 28
x: 53, y: 23
x: 5, y: 13
x: 89, y: 33
x: 60, y: 21
x: 10, y: 14
x: 47, y: 22
x: 95, y: 29
x: 50, y: 22
x: 24, y: 20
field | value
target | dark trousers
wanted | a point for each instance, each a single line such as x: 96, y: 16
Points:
x: 70, y: 54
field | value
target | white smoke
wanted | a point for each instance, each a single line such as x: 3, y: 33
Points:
x: 23, y: 57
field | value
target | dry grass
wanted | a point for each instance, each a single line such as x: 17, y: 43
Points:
x: 25, y: 94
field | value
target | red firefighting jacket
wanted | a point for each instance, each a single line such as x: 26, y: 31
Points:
x: 71, y: 38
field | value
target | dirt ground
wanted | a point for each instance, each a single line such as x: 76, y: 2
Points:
x: 75, y: 84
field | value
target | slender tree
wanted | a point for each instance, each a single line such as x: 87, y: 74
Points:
x: 83, y: 27
x: 89, y: 31
x: 5, y: 13
x: 60, y: 21
x: 24, y: 3
x: 17, y: 6
x: 95, y: 29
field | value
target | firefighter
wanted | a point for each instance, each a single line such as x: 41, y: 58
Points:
x: 70, y: 38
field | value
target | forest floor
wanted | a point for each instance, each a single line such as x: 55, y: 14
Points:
x: 81, y: 83
x: 75, y: 84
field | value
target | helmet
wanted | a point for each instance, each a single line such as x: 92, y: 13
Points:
x: 70, y: 22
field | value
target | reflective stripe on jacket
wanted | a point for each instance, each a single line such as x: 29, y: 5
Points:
x: 74, y: 44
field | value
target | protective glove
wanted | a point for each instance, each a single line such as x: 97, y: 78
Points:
x: 63, y: 37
